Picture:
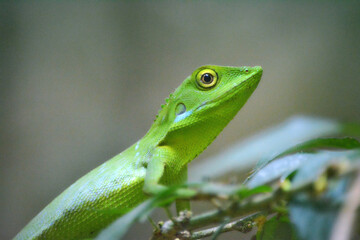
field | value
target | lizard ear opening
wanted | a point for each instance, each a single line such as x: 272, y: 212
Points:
x: 180, y: 109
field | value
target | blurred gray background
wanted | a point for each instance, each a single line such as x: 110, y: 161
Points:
x: 80, y: 82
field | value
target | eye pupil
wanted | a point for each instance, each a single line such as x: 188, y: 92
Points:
x: 207, y: 78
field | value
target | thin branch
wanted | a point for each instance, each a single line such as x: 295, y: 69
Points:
x: 260, y: 203
x: 182, y: 226
x: 263, y: 202
x: 219, y: 229
x: 243, y: 225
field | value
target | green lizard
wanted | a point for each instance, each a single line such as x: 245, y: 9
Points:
x: 190, y: 120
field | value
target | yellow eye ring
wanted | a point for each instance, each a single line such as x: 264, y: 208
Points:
x: 206, y: 78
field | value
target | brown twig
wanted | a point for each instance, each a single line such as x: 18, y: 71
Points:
x: 243, y: 225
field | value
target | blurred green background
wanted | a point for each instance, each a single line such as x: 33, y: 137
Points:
x: 80, y: 82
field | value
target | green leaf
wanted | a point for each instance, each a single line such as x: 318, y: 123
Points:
x: 276, y: 169
x: 277, y: 228
x: 319, y: 143
x: 308, y: 166
x: 341, y: 143
x: 243, y: 155
x: 245, y: 192
x: 317, y: 164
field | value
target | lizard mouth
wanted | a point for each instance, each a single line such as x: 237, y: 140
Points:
x: 251, y: 83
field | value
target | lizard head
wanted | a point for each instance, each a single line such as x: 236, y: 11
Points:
x: 204, y: 104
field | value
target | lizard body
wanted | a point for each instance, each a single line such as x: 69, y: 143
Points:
x: 190, y: 120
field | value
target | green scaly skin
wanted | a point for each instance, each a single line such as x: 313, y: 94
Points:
x: 189, y: 121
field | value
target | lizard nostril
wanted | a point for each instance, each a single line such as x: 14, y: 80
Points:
x: 180, y: 109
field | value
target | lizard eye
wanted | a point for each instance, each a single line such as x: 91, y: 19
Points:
x: 207, y: 78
